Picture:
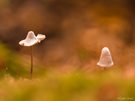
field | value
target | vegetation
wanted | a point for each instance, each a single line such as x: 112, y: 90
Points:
x: 75, y: 86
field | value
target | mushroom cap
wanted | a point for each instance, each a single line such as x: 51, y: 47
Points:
x: 105, y: 58
x: 41, y: 37
x: 31, y: 39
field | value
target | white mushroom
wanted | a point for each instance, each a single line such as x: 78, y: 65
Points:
x: 105, y: 58
x: 29, y: 41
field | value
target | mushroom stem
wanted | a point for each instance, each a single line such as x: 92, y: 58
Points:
x: 31, y: 69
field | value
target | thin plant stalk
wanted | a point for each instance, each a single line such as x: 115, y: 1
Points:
x: 31, y: 69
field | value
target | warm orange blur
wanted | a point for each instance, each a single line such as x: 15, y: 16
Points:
x: 76, y: 30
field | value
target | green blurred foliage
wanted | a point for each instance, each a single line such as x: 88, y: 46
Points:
x: 75, y: 86
x: 12, y: 64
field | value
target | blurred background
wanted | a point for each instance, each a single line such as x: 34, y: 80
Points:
x: 76, y: 31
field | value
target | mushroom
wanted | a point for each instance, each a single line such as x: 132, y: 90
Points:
x: 105, y: 58
x: 29, y: 41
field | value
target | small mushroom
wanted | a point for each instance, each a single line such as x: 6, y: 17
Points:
x: 105, y: 58
x: 29, y: 41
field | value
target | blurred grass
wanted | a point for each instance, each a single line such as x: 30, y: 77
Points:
x: 74, y: 86
x: 12, y: 64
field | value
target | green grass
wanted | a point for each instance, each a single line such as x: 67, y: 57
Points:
x: 74, y: 86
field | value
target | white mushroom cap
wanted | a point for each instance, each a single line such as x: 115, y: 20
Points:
x: 41, y: 37
x: 31, y: 39
x: 105, y: 58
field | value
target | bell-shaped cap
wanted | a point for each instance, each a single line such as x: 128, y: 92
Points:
x: 105, y: 58
x: 31, y: 39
